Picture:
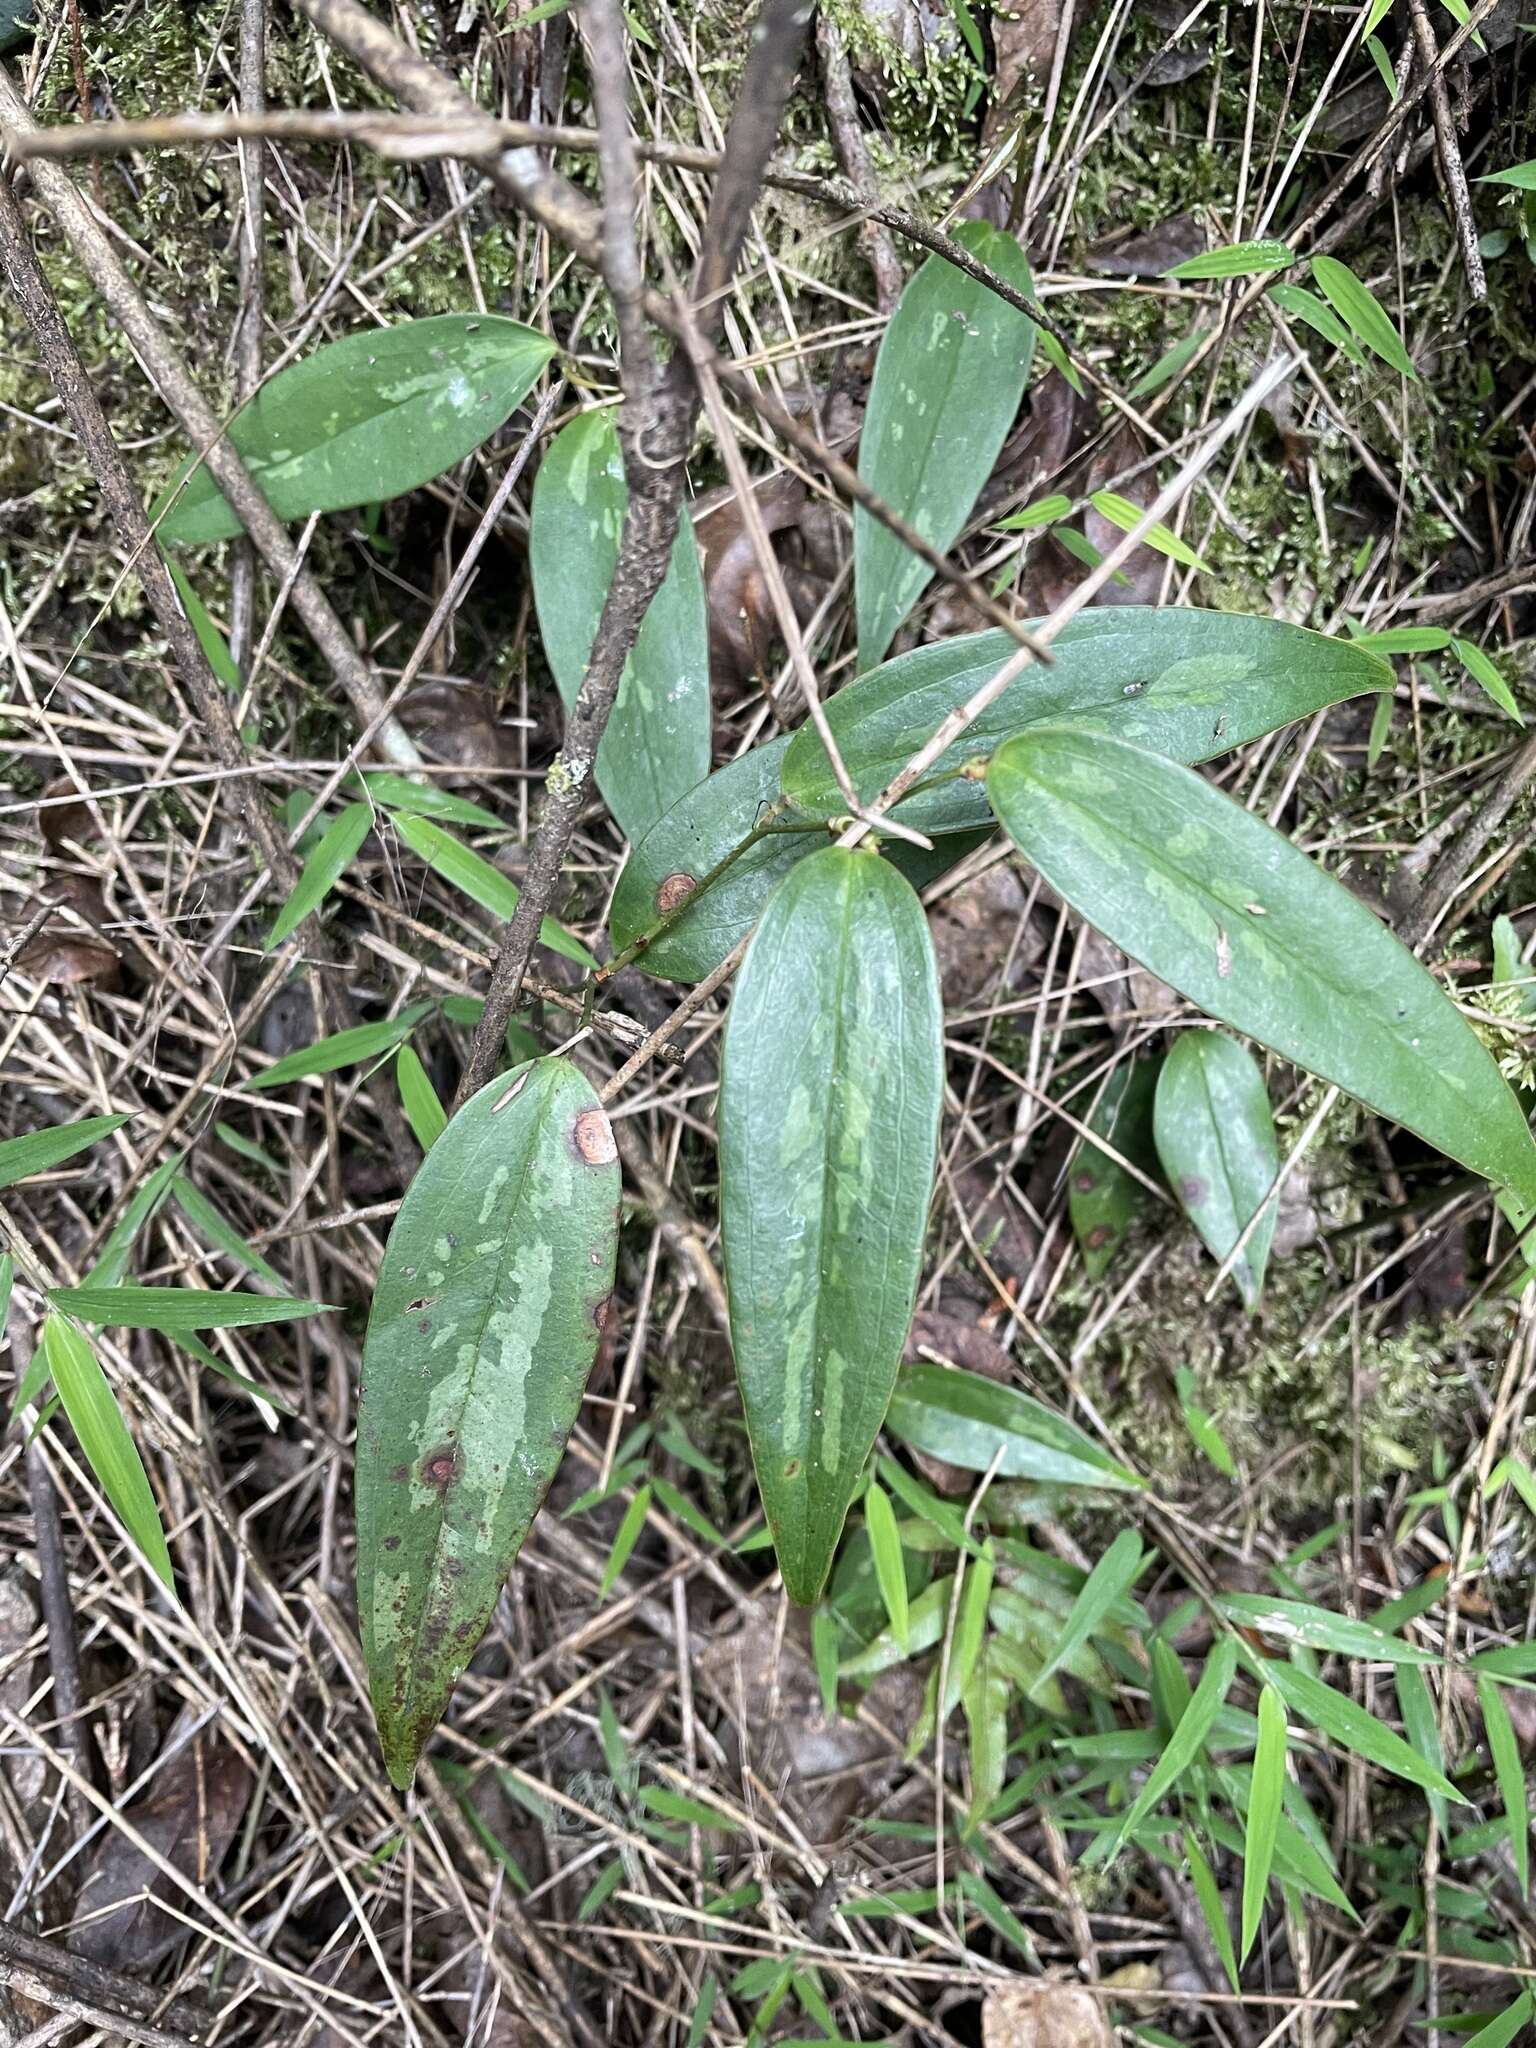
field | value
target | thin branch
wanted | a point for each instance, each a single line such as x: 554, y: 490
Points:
x: 1458, y: 197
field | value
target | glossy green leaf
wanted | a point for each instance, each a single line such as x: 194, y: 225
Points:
x: 1318, y: 1628
x: 1421, y: 1725
x: 176, y: 1309
x: 952, y: 368
x: 340, y: 1049
x: 38, y: 1151
x: 890, y: 1565
x: 1265, y: 1798
x: 1041, y: 513
x: 625, y: 1538
x: 1506, y: 2027
x: 1184, y: 1746
x: 485, y: 1323
x: 656, y: 746
x: 462, y: 868
x: 326, y: 865
x: 1405, y: 640
x: 418, y: 1098
x: 398, y: 793
x: 1484, y: 672
x: 1335, y: 1715
x: 1227, y: 911
x: 664, y: 872
x: 1510, y: 1772
x: 1102, y: 1198
x: 1298, y: 303
x: 1522, y: 177
x: 971, y: 1422
x: 368, y: 417
x: 109, y: 1450
x: 1126, y: 514
x: 1237, y: 259
x: 832, y: 1079
x: 1111, y: 1578
x: 1181, y: 681
x: 1212, y: 1905
x: 1357, y: 308
x: 1216, y: 1139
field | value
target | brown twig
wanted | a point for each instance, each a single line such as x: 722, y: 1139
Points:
x: 1451, y: 166
x: 848, y: 136
x: 173, y: 381
x: 252, y: 307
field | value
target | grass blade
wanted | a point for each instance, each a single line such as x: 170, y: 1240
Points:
x: 109, y: 1450
x: 1264, y: 1802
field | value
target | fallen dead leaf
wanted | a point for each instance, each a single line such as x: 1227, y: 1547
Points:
x: 982, y: 928
x: 1045, y: 2015
x: 1149, y: 253
x: 61, y: 820
x: 456, y: 722
x: 1024, y: 37
x: 742, y: 627
x: 190, y: 1817
x: 71, y: 947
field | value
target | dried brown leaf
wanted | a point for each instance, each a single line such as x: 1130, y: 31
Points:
x: 1046, y: 2015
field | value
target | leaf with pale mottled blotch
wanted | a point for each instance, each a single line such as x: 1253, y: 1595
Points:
x: 485, y: 1323
x: 829, y: 1114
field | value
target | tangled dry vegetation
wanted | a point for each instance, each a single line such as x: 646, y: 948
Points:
x: 640, y: 1823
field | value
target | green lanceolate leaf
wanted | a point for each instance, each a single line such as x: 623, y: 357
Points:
x: 890, y: 1566
x: 215, y: 647
x: 1358, y: 309
x: 656, y: 746
x: 37, y: 1151
x: 1184, y: 682
x: 486, y: 1320
x: 1522, y: 177
x: 462, y: 868
x: 1216, y: 1139
x: 948, y: 379
x: 340, y: 1049
x: 1112, y: 1577
x: 1300, y: 304
x: 103, y: 1436
x: 367, y: 418
x: 829, y: 1113
x: 668, y: 871
x: 1102, y: 1197
x: 418, y: 1098
x: 1225, y: 909
x: 1510, y: 1772
x: 1296, y: 1621
x: 1238, y: 259
x: 176, y: 1309
x: 1338, y: 1717
x: 1264, y: 1802
x: 323, y: 870
x: 984, y: 1426
x: 1183, y: 1747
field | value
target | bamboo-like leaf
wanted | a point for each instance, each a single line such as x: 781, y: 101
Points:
x: 1356, y: 306
x: 890, y: 1564
x: 418, y: 1098
x: 173, y: 1310
x: 1181, y: 681
x: 1522, y: 177
x: 1300, y: 304
x: 1230, y: 913
x: 1296, y: 1621
x: 112, y: 1263
x: 340, y: 1049
x: 1212, y: 1905
x: 1127, y: 514
x: 828, y: 1132
x: 985, y: 1701
x: 1111, y: 1578
x: 37, y: 1151
x: 1510, y: 1772
x: 485, y: 1323
x: 625, y: 1538
x: 367, y: 418
x: 1505, y: 2027
x: 1421, y: 1725
x: 463, y: 868
x: 1483, y: 671
x: 1184, y: 1746
x: 1102, y: 1197
x: 664, y: 873
x: 984, y: 1426
x: 207, y: 634
x: 952, y: 367
x: 202, y: 1211
x: 1237, y: 259
x: 1265, y: 1798
x: 656, y: 746
x: 324, y: 868
x: 1165, y: 369
x: 1216, y: 1139
x: 109, y: 1450
x: 1338, y: 1717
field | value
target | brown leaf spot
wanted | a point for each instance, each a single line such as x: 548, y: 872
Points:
x: 1098, y: 1237
x: 441, y: 1467
x: 601, y: 1310
x: 792, y: 1469
x: 1085, y: 1183
x: 421, y: 1301
x: 592, y: 1136
x: 1192, y: 1189
x: 675, y: 889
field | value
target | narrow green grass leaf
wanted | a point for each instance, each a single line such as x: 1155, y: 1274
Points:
x: 109, y: 1450
x: 206, y: 1215
x: 393, y: 792
x: 693, y: 1813
x: 1265, y: 1799
x: 824, y: 1655
x: 1421, y: 1725
x: 177, y: 1309
x: 828, y: 1137
x: 1522, y: 177
x: 677, y: 1503
x: 418, y: 1098
x: 982, y: 1425
x: 1355, y: 305
x: 974, y: 1887
x: 1298, y: 303
x: 1112, y: 1577
x: 1122, y: 512
x: 1381, y: 725
x: 333, y: 855
x: 1213, y: 1907
x: 215, y: 647
x: 890, y: 1565
x: 367, y: 418
x: 1507, y: 2026
x: 1184, y: 1747
x: 269, y: 1404
x: 1339, y: 1718
x: 970, y: 1630
x: 1482, y: 670
x: 142, y: 1206
x: 38, y: 1151
x: 340, y: 1049
x: 1216, y: 1139
x: 1376, y: 51
x: 1163, y: 371
x: 600, y: 1891
x: 1040, y: 513
x: 624, y: 1542
x: 1405, y: 640
x: 1318, y: 1628
x: 985, y: 1701
x: 1226, y: 910
x: 1510, y: 1772
x: 7, y: 1281
x: 703, y: 2012
x: 464, y: 869
x: 1237, y: 259
x: 1200, y: 1425
x: 952, y: 367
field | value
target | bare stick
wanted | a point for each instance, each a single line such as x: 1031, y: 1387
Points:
x: 848, y: 134
x: 1457, y: 195
x: 248, y: 324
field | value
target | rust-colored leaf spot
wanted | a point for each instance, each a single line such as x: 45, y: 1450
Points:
x: 1085, y: 1183
x: 441, y: 1467
x: 592, y: 1135
x: 792, y: 1469
x: 675, y: 890
x: 1098, y: 1237
x: 601, y: 1311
